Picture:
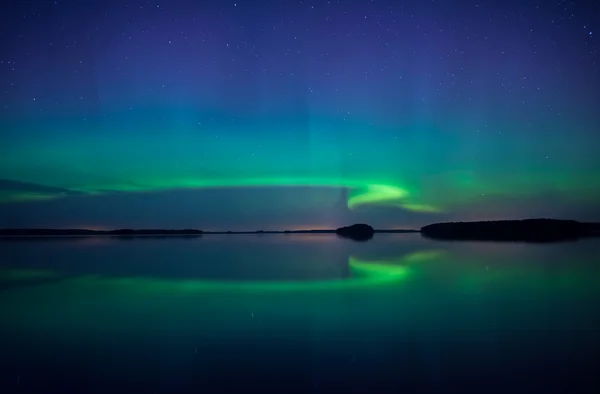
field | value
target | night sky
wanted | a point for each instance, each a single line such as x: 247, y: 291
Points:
x: 252, y: 114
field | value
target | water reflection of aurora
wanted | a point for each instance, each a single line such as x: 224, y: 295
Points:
x: 436, y: 267
x: 363, y: 273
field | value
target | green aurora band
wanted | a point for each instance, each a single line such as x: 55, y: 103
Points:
x: 410, y: 173
x: 457, y: 189
x: 362, y: 193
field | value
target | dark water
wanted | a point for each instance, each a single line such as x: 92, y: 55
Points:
x: 298, y: 313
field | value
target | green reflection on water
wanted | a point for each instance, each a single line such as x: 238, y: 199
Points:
x: 380, y: 296
x: 363, y: 274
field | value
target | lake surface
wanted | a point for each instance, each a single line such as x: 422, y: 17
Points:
x: 298, y: 313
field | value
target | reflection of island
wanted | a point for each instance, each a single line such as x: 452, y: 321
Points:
x: 529, y: 230
x: 357, y: 232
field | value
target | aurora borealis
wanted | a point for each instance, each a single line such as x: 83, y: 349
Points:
x: 297, y: 114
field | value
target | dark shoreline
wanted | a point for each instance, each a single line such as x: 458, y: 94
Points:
x: 49, y: 233
x: 527, y: 230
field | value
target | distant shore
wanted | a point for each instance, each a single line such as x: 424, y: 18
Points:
x: 158, y: 232
x: 528, y: 230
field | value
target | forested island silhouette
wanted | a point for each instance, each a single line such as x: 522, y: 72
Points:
x: 528, y: 230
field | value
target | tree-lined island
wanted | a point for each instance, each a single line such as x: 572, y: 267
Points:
x: 529, y: 230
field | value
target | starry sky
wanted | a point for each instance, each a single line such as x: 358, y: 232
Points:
x: 260, y: 114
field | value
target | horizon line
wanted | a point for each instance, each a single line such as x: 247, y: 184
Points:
x: 317, y: 230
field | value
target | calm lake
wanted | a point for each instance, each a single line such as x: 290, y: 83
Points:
x: 298, y: 313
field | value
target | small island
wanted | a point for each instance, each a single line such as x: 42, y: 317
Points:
x: 357, y: 232
x: 528, y: 230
